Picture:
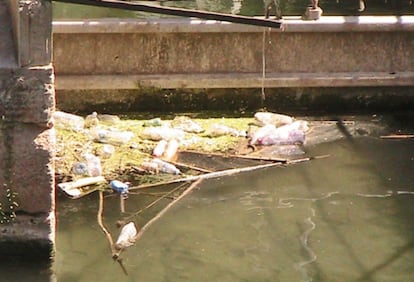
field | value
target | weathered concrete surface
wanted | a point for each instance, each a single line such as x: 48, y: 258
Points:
x: 123, y: 61
x: 27, y: 138
x: 7, y: 58
x: 27, y: 95
x: 30, y: 22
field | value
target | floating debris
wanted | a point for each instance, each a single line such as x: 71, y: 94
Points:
x: 120, y: 187
x: 186, y: 124
x: 127, y: 236
x: 265, y: 118
x: 68, y: 121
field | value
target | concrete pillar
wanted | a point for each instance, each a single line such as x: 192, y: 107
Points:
x: 27, y: 139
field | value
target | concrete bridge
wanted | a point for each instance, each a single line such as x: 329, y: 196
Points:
x: 335, y: 63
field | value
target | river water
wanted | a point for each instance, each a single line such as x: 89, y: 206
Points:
x: 347, y: 217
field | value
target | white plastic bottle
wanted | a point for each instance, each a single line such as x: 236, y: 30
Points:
x: 94, y: 164
x: 68, y: 121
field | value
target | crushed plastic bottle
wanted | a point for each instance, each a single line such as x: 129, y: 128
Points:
x: 80, y: 168
x: 160, y: 148
x: 127, y: 236
x: 94, y: 164
x: 218, y: 130
x: 162, y: 132
x: 171, y: 150
x: 108, y: 119
x: 120, y: 187
x: 186, y: 124
x: 113, y: 137
x: 152, y: 122
x: 284, y: 135
x: 150, y: 167
x: 107, y: 151
x: 91, y: 120
x: 264, y: 118
x: 166, y: 167
x: 68, y: 121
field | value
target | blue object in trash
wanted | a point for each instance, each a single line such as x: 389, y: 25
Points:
x: 120, y: 187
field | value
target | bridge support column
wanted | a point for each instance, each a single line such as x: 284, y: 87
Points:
x: 27, y: 101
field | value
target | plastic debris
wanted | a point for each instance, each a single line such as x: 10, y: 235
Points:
x: 108, y: 119
x: 120, y: 187
x: 162, y: 132
x: 91, y: 120
x: 265, y: 118
x: 80, y: 168
x: 166, y: 167
x: 113, y: 137
x: 285, y: 135
x: 68, y: 121
x: 152, y: 122
x: 94, y: 164
x: 160, y: 148
x: 221, y: 130
x: 186, y: 124
x: 127, y: 236
x: 107, y: 151
x: 171, y: 150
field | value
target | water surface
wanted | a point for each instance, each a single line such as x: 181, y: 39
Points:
x: 347, y: 217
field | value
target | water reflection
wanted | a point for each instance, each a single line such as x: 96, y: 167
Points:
x: 346, y: 217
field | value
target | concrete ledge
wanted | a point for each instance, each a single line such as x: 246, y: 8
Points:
x: 290, y: 24
x: 91, y: 82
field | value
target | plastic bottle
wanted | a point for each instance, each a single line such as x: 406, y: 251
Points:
x: 113, y: 137
x: 166, y: 167
x: 119, y: 187
x: 94, y: 164
x: 107, y: 151
x: 162, y: 132
x: 186, y: 124
x: 221, y: 129
x: 150, y: 167
x: 171, y: 150
x: 152, y: 122
x: 127, y: 236
x: 160, y: 148
x: 80, y: 168
x: 91, y: 120
x: 264, y: 118
x: 68, y: 121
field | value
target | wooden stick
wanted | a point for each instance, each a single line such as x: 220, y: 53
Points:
x: 190, y: 166
x: 256, y: 158
x: 122, y: 203
x: 178, y: 12
x: 398, y: 136
x: 101, y: 224
x: 215, y: 174
x: 226, y: 172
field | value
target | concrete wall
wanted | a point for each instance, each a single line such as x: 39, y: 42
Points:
x: 27, y: 138
x: 112, y: 56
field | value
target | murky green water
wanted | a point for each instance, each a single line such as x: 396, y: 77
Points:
x: 240, y: 7
x: 343, y: 218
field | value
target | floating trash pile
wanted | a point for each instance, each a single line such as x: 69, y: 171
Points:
x: 101, y: 145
